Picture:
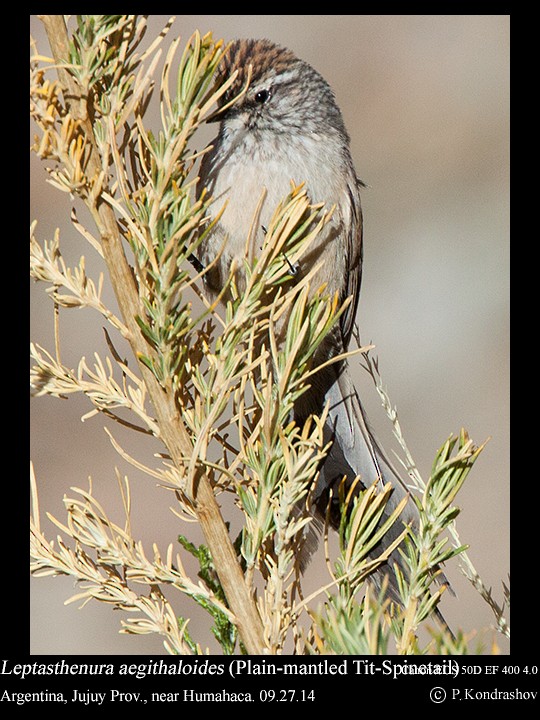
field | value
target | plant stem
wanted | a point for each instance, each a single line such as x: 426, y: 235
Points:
x: 172, y: 430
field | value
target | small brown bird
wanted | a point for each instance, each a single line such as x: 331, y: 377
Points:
x: 287, y: 127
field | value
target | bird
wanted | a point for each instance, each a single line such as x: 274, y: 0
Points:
x: 286, y: 126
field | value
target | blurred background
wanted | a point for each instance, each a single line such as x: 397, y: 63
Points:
x: 426, y: 102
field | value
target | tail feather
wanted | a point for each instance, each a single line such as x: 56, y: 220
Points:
x: 355, y: 453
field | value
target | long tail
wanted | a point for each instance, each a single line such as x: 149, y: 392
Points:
x: 354, y: 452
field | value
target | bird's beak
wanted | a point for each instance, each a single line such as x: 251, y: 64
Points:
x: 230, y: 105
x: 217, y: 116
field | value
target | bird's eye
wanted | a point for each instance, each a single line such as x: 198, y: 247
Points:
x: 262, y: 96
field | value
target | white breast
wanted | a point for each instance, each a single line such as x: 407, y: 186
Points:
x: 255, y: 177
x: 255, y: 171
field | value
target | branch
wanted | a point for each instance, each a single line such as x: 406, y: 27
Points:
x: 172, y: 430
